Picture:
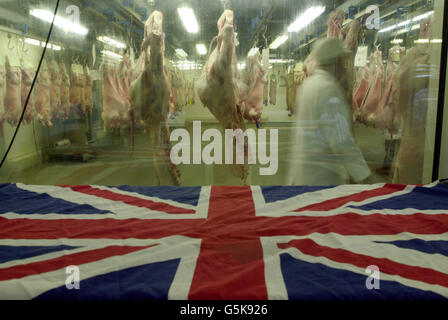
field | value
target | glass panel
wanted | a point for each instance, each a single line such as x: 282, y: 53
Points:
x: 137, y: 92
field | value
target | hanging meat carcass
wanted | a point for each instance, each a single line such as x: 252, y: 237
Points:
x: 88, y: 86
x: 179, y: 94
x: 13, y: 96
x: 360, y: 92
x: 412, y: 98
x: 291, y: 92
x: 218, y: 88
x: 150, y: 94
x: 126, y: 73
x: 28, y: 74
x: 172, y: 101
x: 351, y: 31
x: 254, y: 79
x: 76, y: 88
x: 375, y: 91
x: 43, y: 102
x: 348, y: 76
x: 191, y: 93
x: 334, y: 24
x: 55, y: 97
x: 116, y: 106
x: 65, y: 92
x: 385, y: 116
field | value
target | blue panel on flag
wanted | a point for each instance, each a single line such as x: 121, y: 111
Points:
x: 150, y: 281
x: 21, y: 201
x: 315, y: 281
x: 440, y: 247
x: 187, y: 195
x: 435, y: 198
x: 9, y: 253
x: 272, y: 194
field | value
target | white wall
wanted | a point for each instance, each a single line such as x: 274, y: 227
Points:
x: 23, y: 154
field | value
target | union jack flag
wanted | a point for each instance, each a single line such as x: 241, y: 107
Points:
x: 224, y: 242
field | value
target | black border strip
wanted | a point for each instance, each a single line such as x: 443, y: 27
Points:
x: 441, y: 98
x: 32, y: 87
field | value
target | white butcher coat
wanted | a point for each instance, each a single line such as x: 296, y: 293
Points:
x: 324, y: 150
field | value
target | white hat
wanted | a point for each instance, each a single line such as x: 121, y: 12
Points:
x: 326, y: 50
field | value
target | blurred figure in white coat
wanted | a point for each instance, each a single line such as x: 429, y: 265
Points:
x: 324, y: 149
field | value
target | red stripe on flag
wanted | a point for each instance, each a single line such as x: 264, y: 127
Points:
x: 230, y: 263
x: 95, y: 229
x: 133, y: 201
x: 232, y: 224
x: 79, y: 258
x: 353, y: 224
x: 309, y: 247
x: 357, y: 197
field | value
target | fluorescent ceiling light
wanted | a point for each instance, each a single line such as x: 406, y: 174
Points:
x: 414, y: 27
x: 38, y: 43
x: 181, y: 53
x: 279, y: 41
x: 306, y: 18
x: 421, y: 41
x: 396, y: 41
x: 201, y: 49
x: 422, y: 16
x: 403, y: 23
x: 416, y: 19
x: 111, y: 42
x: 111, y: 54
x: 436, y: 41
x: 388, y: 28
x: 59, y: 21
x: 252, y: 52
x: 51, y: 46
x: 188, y: 19
x: 34, y: 42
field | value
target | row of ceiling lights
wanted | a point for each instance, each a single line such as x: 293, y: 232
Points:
x: 301, y: 22
x: 190, y: 23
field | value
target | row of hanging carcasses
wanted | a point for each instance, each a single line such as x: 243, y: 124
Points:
x: 116, y: 83
x: 57, y: 91
x: 374, y: 90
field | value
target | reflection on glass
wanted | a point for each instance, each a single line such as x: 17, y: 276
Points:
x: 352, y: 93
